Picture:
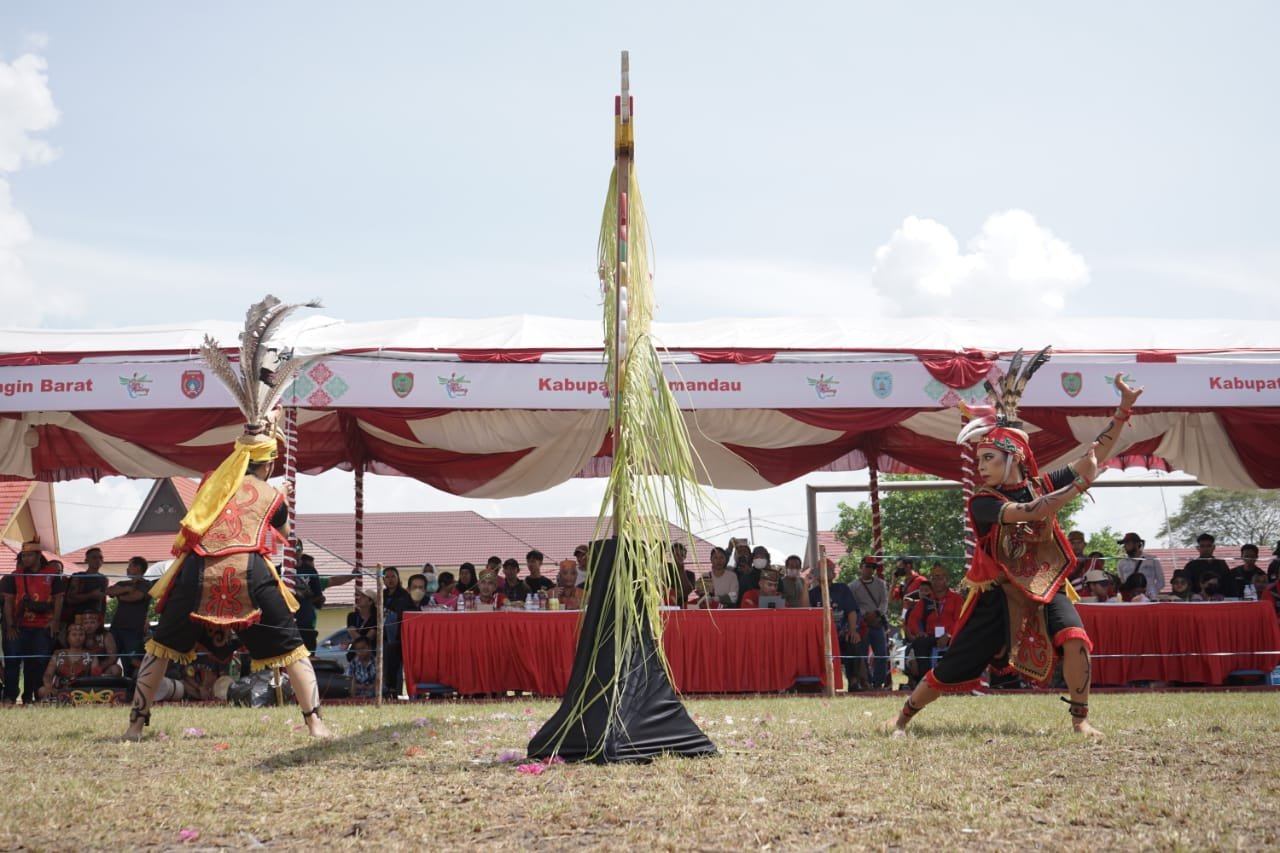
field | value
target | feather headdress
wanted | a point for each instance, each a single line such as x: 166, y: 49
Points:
x: 261, y: 380
x: 1006, y: 397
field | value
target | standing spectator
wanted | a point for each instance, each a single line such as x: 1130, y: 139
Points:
x: 748, y: 575
x: 1076, y: 540
x: 395, y: 601
x: 906, y: 581
x: 1208, y: 565
x: 513, y: 589
x: 1242, y: 575
x: 1271, y: 593
x: 682, y: 580
x: 466, y: 578
x: 535, y: 581
x: 307, y: 588
x: 844, y: 613
x: 129, y: 624
x: 872, y: 597
x: 32, y: 613
x: 1273, y: 568
x: 794, y: 589
x: 580, y: 556
x: 1135, y: 560
x: 724, y: 583
x: 86, y: 590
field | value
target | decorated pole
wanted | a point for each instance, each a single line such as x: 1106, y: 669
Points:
x: 877, y: 531
x: 293, y: 541
x: 829, y: 683
x: 359, y: 528
x: 968, y: 475
x: 620, y: 704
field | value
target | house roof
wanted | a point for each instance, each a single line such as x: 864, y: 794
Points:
x: 12, y: 496
x: 150, y: 546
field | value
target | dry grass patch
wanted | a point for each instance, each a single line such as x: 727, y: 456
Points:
x: 1175, y: 771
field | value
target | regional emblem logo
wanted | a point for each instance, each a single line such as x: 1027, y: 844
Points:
x: 137, y: 385
x: 1072, y: 383
x: 192, y: 383
x: 882, y: 384
x: 824, y: 386
x: 454, y: 385
x: 402, y: 384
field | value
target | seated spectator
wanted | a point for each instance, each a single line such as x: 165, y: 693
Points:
x: 931, y: 622
x: 446, y: 594
x: 724, y: 583
x: 1134, y: 588
x: 705, y: 595
x: 467, y: 578
x: 68, y: 664
x: 1242, y: 575
x: 535, y: 580
x: 129, y: 624
x: 770, y: 580
x: 844, y: 613
x: 566, y: 590
x: 743, y: 566
x: 1180, y: 588
x: 364, y: 670
x: 1260, y: 584
x: 580, y: 555
x: 512, y: 587
x: 417, y: 586
x: 1206, y: 563
x: 213, y: 659
x: 488, y: 597
x: 99, y: 642
x: 1099, y: 587
x: 362, y: 621
x: 1210, y: 587
x: 794, y: 588
x: 1271, y: 593
x: 1273, y: 568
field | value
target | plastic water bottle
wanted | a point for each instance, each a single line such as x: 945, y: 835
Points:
x: 528, y: 601
x: 1250, y: 594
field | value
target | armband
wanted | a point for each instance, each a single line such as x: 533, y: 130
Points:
x: 1081, y: 485
x: 1122, y: 415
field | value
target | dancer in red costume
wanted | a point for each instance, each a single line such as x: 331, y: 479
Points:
x: 1017, y: 612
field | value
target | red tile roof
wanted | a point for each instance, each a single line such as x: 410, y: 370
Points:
x: 118, y: 551
x: 12, y: 495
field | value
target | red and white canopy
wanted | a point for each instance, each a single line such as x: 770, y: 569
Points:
x: 509, y: 406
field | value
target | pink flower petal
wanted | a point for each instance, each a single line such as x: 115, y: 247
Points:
x: 221, y: 746
x: 193, y: 732
x: 532, y: 769
x: 188, y: 834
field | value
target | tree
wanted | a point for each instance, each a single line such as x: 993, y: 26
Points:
x: 926, y: 524
x: 1105, y: 540
x: 1234, y: 517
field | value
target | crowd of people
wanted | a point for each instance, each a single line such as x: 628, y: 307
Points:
x: 55, y: 634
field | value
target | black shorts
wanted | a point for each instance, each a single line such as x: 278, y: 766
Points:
x: 984, y: 639
x: 273, y: 637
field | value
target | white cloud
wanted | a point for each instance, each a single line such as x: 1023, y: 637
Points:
x: 1014, y: 264
x: 26, y: 107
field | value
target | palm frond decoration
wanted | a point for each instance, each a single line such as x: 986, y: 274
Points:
x: 654, y: 472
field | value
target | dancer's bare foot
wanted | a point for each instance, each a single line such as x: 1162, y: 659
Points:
x: 317, y: 728
x: 1082, y: 727
x: 894, y: 727
x: 137, y: 721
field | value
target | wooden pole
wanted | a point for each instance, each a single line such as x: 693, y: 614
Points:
x: 829, y: 688
x: 877, y: 531
x: 382, y: 632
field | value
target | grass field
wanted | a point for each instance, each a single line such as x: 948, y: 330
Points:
x: 1175, y: 771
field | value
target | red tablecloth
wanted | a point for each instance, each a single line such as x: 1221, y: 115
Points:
x: 1199, y: 642
x: 725, y: 651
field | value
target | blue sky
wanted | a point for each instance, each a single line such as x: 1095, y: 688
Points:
x: 406, y: 159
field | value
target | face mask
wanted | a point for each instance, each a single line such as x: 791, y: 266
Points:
x: 432, y: 584
x: 792, y: 573
x: 759, y: 563
x: 417, y: 595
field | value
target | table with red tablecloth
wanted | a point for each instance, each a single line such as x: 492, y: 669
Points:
x: 1196, y: 642
x: 719, y: 651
